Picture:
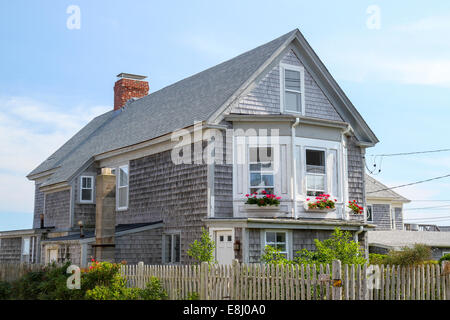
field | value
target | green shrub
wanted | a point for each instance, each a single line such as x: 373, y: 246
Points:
x: 409, y: 256
x: 5, y: 290
x: 445, y: 257
x: 193, y: 296
x: 375, y: 258
x: 430, y: 262
x: 338, y: 247
x: 154, y: 290
x: 203, y: 250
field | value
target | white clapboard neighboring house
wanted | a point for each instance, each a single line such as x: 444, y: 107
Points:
x: 114, y: 192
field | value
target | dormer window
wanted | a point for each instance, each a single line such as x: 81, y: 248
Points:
x: 292, y: 85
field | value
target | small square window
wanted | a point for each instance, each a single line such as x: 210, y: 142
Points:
x: 229, y: 238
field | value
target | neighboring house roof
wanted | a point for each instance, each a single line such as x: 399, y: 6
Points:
x: 444, y: 228
x: 396, y: 239
x: 196, y: 98
x: 372, y: 191
x: 131, y: 227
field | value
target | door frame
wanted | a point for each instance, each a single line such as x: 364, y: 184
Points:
x: 213, y: 235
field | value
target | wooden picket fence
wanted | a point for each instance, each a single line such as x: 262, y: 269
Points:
x: 10, y: 272
x: 296, y: 282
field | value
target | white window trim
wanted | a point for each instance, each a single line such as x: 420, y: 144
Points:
x: 23, y: 246
x: 249, y: 146
x: 392, y: 216
x: 172, y: 248
x: 283, y: 67
x: 117, y: 187
x: 92, y: 189
x: 288, y: 240
x: 325, y: 150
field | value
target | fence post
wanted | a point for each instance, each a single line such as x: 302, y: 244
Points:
x: 204, y: 281
x: 446, y: 279
x: 233, y: 281
x: 140, y: 275
x: 336, y: 291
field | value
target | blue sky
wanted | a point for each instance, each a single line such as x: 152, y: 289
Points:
x: 54, y: 80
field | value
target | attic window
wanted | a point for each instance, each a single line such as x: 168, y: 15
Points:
x: 292, y: 97
x: 86, y: 189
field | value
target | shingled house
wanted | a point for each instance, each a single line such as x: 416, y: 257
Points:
x: 114, y: 190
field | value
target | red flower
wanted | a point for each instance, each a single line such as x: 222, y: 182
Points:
x: 247, y: 195
x: 263, y: 192
x: 278, y: 198
x: 307, y: 199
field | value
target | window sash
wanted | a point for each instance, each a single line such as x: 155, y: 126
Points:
x: 369, y: 213
x: 292, y: 94
x: 172, y: 248
x: 122, y: 187
x: 262, y: 168
x: 316, y: 175
x: 275, y: 243
x: 87, y: 189
x: 26, y: 246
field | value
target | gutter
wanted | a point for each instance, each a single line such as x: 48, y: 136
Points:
x: 355, y: 237
x: 294, y: 172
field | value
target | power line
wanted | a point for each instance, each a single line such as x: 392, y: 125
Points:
x: 410, y: 184
x: 428, y: 218
x: 423, y: 208
x: 407, y: 153
x: 429, y: 200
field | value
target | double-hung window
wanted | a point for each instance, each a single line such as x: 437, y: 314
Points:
x: 261, y: 169
x: 86, y: 189
x: 369, y: 213
x: 122, y: 188
x: 293, y: 84
x: 277, y: 240
x: 26, y: 246
x: 315, y: 172
x: 172, y: 248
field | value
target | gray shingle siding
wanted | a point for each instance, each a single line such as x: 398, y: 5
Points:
x: 10, y: 250
x: 143, y: 246
x: 381, y: 216
x: 38, y: 206
x: 398, y: 219
x: 57, y: 209
x: 304, y: 239
x: 254, y: 245
x: 264, y: 98
x: 161, y: 190
x: 84, y: 211
x: 355, y: 163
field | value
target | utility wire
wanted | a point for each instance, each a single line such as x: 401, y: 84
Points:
x: 433, y: 218
x: 410, y: 184
x: 423, y: 208
x: 407, y: 153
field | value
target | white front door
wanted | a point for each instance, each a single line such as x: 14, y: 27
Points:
x: 53, y: 255
x: 224, y: 247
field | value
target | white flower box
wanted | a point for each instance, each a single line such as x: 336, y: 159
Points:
x: 255, y: 207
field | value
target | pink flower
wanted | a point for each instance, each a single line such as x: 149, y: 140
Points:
x: 263, y: 192
x: 278, y: 198
x: 307, y: 199
x: 247, y: 195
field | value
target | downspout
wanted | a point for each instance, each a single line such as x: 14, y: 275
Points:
x: 357, y: 233
x: 294, y: 171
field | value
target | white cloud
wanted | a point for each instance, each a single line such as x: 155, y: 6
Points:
x: 30, y: 131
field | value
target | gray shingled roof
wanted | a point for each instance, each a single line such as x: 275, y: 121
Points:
x: 174, y: 107
x: 91, y: 234
x: 372, y: 187
x: 397, y: 239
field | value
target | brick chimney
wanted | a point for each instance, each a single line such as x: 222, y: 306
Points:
x: 129, y: 86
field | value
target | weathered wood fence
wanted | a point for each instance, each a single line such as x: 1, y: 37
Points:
x: 296, y: 282
x: 10, y: 272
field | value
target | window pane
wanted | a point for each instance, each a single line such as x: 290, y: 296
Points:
x: 292, y: 101
x: 123, y: 181
x: 87, y: 183
x: 315, y: 182
x: 281, y: 237
x: 281, y: 247
x: 270, y: 236
x: 315, y: 158
x: 26, y: 247
x: 260, y: 154
x: 267, y: 180
x: 83, y: 183
x: 292, y: 79
x: 123, y: 197
x: 86, y: 194
x: 255, y: 179
x: 167, y: 248
x: 255, y: 167
x: 177, y: 248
